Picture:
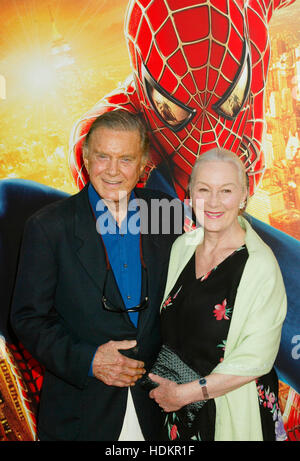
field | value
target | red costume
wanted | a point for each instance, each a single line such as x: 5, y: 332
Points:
x: 199, y: 75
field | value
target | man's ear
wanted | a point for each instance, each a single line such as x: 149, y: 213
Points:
x: 142, y: 169
x: 85, y: 161
x: 143, y: 166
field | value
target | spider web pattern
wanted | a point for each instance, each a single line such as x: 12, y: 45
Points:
x: 31, y: 371
x: 222, y: 30
x: 193, y: 50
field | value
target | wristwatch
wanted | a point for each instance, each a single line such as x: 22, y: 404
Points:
x: 203, y: 383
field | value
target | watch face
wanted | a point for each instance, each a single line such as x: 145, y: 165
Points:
x: 202, y: 382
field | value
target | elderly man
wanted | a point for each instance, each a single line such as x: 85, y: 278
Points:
x: 88, y: 291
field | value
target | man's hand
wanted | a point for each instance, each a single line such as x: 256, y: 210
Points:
x: 113, y: 368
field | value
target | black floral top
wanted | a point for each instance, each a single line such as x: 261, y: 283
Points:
x: 195, y: 320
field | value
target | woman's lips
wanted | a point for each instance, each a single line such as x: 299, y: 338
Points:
x: 213, y: 214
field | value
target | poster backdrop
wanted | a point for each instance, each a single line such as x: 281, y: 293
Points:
x: 57, y: 59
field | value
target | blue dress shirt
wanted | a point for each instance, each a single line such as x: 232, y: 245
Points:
x: 123, y: 248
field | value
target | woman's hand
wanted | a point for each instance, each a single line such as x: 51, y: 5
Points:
x: 171, y: 396
x: 168, y: 395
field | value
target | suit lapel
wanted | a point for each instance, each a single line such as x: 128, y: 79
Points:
x: 149, y: 263
x: 91, y: 253
x: 90, y: 249
x: 149, y: 250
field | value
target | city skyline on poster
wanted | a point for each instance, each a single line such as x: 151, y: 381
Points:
x: 277, y: 200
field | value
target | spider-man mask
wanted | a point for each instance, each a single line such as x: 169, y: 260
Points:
x: 200, y: 76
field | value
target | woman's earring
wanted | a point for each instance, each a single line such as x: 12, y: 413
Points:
x: 242, y: 205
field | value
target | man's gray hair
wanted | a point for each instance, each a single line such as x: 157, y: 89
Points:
x: 123, y: 120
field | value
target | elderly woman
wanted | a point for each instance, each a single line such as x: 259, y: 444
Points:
x: 222, y: 314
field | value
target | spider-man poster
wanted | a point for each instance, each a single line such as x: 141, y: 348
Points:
x: 202, y: 74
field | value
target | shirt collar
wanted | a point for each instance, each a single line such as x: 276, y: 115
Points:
x: 99, y: 207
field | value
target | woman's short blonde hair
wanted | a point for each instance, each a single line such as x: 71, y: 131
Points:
x: 218, y: 154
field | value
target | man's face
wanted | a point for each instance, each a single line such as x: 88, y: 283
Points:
x: 114, y: 162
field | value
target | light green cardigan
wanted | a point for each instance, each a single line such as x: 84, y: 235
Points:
x: 254, y: 335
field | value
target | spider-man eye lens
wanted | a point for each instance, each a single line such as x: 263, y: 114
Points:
x: 234, y: 98
x: 170, y: 111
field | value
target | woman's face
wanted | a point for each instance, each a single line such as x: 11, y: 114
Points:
x: 216, y: 195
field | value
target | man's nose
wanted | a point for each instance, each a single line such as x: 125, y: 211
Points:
x: 113, y: 167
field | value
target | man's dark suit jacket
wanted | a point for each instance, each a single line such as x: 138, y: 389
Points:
x: 58, y: 315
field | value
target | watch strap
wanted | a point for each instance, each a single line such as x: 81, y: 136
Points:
x: 203, y: 384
